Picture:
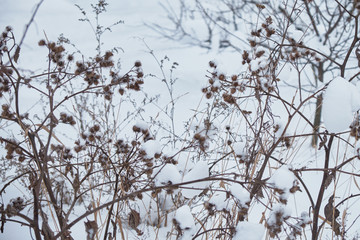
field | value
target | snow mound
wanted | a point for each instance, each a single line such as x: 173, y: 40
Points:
x: 199, y: 171
x: 168, y: 175
x: 240, y: 148
x: 142, y: 125
x: 151, y: 148
x: 241, y: 194
x: 341, y: 99
x: 249, y: 231
x: 219, y: 200
x: 283, y: 180
x: 185, y: 221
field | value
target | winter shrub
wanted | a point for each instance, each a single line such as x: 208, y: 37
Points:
x: 75, y: 141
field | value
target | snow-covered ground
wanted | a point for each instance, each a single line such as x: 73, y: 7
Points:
x: 136, y: 41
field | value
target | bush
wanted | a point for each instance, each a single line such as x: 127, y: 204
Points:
x: 84, y: 153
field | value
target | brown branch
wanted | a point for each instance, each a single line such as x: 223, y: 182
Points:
x: 135, y: 193
x: 321, y: 190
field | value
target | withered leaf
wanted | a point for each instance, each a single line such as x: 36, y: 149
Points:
x: 17, y: 54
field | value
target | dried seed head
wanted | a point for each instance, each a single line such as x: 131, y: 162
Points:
x: 137, y: 64
x: 259, y: 53
x: 91, y: 229
x: 229, y: 98
x: 42, y: 42
x: 140, y: 75
x: 260, y: 6
x: 108, y: 55
x: 212, y: 64
x: 221, y: 77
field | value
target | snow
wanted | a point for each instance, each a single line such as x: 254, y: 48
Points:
x: 147, y: 210
x: 183, y: 220
x: 169, y: 174
x: 296, y: 34
x: 199, y: 171
x: 142, y: 125
x: 283, y: 178
x: 279, y: 211
x: 249, y: 231
x: 278, y: 215
x: 258, y: 63
x: 239, y: 148
x: 184, y: 217
x: 219, y: 199
x: 340, y: 100
x: 151, y: 148
x: 241, y: 194
x: 304, y: 219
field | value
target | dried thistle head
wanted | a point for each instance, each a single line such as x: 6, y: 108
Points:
x: 15, y: 206
x: 91, y: 229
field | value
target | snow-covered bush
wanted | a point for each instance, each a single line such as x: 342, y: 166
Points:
x: 83, y: 144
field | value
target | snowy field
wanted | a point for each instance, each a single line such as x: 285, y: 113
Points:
x: 220, y: 142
